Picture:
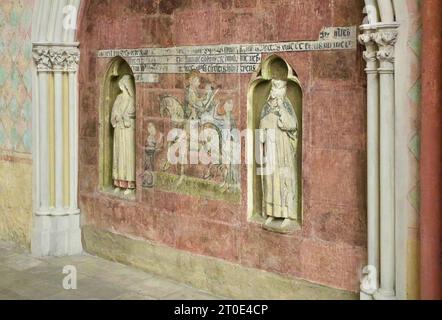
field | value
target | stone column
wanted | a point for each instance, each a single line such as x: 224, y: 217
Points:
x: 58, y: 93
x: 57, y: 218
x: 73, y: 142
x: 43, y: 169
x: 385, y: 38
x: 371, y: 281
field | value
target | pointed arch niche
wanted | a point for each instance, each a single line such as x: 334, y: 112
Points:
x: 117, y: 69
x: 272, y: 68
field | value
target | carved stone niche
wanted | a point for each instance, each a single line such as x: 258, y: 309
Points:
x: 275, y: 196
x: 117, y: 72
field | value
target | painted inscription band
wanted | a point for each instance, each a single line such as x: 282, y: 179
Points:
x: 236, y: 58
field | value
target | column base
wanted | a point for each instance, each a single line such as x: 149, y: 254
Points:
x: 365, y: 296
x: 56, y: 236
x: 382, y: 294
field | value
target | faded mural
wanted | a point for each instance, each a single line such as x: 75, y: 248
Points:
x: 15, y: 75
x: 203, y: 111
x: 16, y: 120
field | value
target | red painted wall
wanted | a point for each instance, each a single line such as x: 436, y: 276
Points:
x: 331, y: 248
x: 431, y: 153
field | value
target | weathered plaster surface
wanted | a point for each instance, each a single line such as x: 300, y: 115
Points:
x: 16, y: 200
x: 16, y: 120
x: 226, y: 279
x: 15, y: 75
x: 409, y: 135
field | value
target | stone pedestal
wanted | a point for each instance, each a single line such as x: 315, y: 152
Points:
x: 56, y: 236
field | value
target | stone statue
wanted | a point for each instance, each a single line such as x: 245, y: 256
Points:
x: 278, y: 147
x: 123, y: 122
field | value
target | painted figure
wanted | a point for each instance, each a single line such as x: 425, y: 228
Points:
x: 231, y: 145
x: 196, y: 104
x: 154, y: 143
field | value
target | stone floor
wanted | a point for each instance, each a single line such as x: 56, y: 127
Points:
x: 25, y: 277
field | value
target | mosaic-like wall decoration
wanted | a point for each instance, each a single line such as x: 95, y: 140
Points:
x: 15, y: 76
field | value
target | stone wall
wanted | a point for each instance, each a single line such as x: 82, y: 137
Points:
x: 331, y: 247
x: 16, y: 120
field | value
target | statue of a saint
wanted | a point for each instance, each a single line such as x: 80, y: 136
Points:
x: 123, y: 122
x: 278, y: 146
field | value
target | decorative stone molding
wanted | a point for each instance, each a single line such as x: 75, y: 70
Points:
x: 386, y: 42
x: 386, y: 37
x: 370, y: 54
x: 56, y: 58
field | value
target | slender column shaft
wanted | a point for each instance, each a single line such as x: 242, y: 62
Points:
x: 51, y: 20
x: 386, y: 40
x: 43, y: 20
x: 44, y: 144
x: 73, y: 141
x: 386, y: 10
x: 58, y: 91
x: 371, y: 282
x: 373, y: 174
x: 387, y: 230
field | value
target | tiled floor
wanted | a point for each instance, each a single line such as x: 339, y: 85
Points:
x: 25, y: 277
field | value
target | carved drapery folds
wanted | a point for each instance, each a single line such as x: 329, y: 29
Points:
x: 269, y: 203
x: 56, y: 58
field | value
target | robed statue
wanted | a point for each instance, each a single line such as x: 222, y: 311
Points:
x: 278, y: 150
x: 123, y: 122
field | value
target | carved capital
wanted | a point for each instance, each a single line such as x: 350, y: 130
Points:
x: 386, y: 41
x: 385, y: 38
x: 370, y: 54
x: 56, y: 58
x: 365, y: 39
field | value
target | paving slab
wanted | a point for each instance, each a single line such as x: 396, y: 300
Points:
x: 24, y: 277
